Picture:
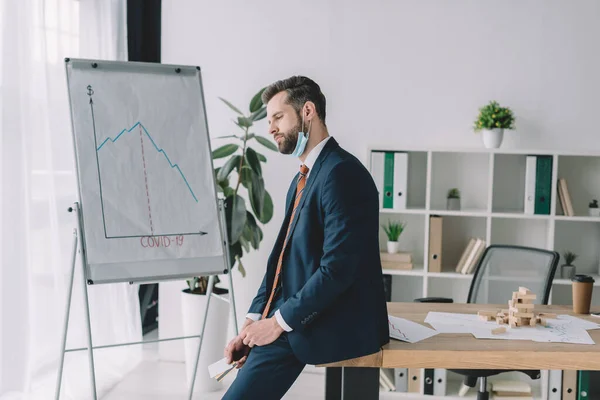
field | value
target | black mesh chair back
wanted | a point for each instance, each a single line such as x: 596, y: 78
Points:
x: 503, y: 269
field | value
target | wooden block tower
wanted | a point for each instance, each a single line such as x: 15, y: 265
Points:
x: 521, y: 309
x: 520, y: 312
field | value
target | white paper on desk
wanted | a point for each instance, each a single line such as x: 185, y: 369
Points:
x: 458, y: 320
x: 563, y: 333
x: 408, y: 331
x: 573, y: 321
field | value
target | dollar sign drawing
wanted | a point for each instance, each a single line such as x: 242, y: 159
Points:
x: 90, y: 91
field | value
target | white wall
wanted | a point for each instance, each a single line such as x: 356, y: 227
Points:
x: 396, y: 72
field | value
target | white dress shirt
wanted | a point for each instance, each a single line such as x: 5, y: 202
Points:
x: 310, y: 160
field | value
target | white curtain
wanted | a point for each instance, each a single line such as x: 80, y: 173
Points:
x: 37, y: 185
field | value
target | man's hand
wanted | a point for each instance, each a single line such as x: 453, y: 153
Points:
x: 236, y: 350
x: 261, y: 333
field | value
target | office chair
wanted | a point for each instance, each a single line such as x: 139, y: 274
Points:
x: 499, y: 272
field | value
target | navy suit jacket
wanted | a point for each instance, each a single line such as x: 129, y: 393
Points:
x: 331, y: 275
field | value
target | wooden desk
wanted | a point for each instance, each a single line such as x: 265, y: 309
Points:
x: 461, y: 351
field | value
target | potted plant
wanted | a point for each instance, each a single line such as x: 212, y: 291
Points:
x: 239, y: 176
x: 492, y: 121
x: 193, y: 306
x: 453, y: 199
x: 593, y: 209
x: 393, y: 230
x: 567, y: 270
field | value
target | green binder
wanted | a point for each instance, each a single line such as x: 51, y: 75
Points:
x: 543, y: 185
x: 583, y: 385
x: 388, y: 180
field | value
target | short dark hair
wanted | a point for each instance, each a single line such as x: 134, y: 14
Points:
x: 300, y: 89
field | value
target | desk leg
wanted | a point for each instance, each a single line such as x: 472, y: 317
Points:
x: 352, y: 383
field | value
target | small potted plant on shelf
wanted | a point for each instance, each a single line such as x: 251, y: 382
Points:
x: 492, y: 121
x: 453, y: 199
x: 567, y: 270
x: 593, y: 209
x: 393, y: 230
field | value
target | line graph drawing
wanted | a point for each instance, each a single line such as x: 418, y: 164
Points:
x: 157, y: 149
x: 396, y: 333
x: 139, y: 195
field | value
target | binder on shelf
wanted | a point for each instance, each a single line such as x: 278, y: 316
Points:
x: 400, y: 180
x: 530, y: 175
x: 435, y: 243
x: 555, y: 384
x: 388, y: 180
x: 401, y: 379
x: 543, y: 185
x: 389, y: 170
x: 583, y: 386
x: 414, y: 380
x: 569, y: 385
x: 439, y: 382
x: 428, y: 381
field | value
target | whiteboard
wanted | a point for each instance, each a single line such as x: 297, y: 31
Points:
x: 147, y: 192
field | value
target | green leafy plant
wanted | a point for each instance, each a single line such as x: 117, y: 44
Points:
x: 569, y: 257
x: 594, y: 204
x: 393, y: 230
x: 454, y: 193
x: 241, y: 170
x: 493, y: 116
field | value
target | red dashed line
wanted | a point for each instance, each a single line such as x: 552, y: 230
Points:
x: 146, y: 178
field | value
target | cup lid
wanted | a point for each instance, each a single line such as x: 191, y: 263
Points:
x: 583, y: 278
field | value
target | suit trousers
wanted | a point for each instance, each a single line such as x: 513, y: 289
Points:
x: 269, y: 371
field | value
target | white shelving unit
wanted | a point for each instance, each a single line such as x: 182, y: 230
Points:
x: 492, y: 185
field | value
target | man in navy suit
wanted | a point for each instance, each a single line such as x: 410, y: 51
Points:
x: 322, y: 297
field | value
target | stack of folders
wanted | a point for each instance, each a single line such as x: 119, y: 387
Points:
x: 401, y: 260
x: 573, y: 385
x: 386, y: 380
x: 538, y: 184
x: 470, y: 256
x: 428, y: 381
x: 390, y: 173
x: 565, y: 198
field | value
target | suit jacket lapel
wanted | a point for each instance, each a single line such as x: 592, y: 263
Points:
x: 311, y: 180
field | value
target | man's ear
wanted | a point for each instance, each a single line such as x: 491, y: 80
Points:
x: 309, y: 110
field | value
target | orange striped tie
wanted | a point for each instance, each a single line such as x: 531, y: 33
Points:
x: 299, y: 190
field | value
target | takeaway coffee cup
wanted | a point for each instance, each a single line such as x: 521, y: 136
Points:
x: 582, y: 293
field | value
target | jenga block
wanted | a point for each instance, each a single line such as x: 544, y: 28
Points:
x: 511, y: 304
x: 505, y: 311
x: 498, y: 330
x: 528, y: 298
x: 524, y: 290
x: 513, y: 324
x: 543, y: 322
x: 491, y: 313
x: 533, y: 322
x: 525, y: 306
x: 523, y: 315
x: 548, y: 315
x: 485, y: 317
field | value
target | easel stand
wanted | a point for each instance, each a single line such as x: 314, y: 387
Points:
x: 77, y: 245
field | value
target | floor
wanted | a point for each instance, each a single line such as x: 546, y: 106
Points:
x: 154, y: 380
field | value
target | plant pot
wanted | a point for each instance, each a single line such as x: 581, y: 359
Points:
x: 393, y: 247
x: 492, y: 138
x: 594, y: 212
x: 215, y: 336
x: 453, y: 203
x: 567, y: 271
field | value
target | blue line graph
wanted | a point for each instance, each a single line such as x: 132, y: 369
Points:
x: 157, y: 149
